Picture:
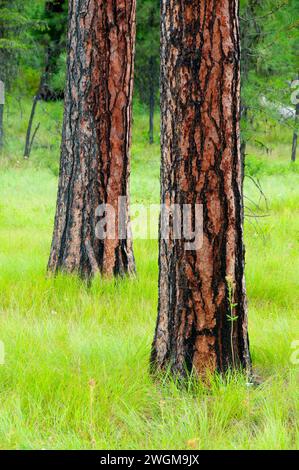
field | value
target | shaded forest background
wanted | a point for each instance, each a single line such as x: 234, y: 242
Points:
x: 33, y: 41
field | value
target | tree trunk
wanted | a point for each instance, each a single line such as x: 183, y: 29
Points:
x: 54, y: 12
x: 28, y: 142
x: 37, y: 97
x: 202, y: 314
x: 295, y: 136
x: 243, y: 115
x: 2, y: 102
x: 151, y: 101
x: 95, y: 153
x: 250, y: 36
x: 1, y: 127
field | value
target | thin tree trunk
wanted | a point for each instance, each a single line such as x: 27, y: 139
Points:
x: 1, y: 127
x: 250, y: 35
x: 202, y: 317
x: 151, y: 102
x: 243, y: 115
x: 95, y: 152
x: 37, y: 97
x: 295, y: 136
x: 2, y: 102
x: 29, y: 128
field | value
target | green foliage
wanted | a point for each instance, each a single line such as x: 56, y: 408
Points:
x: 58, y: 75
x: 147, y: 62
x: 270, y: 43
x: 32, y: 38
x: 54, y: 15
x: 17, y: 24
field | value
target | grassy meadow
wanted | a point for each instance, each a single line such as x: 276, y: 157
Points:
x: 76, y: 357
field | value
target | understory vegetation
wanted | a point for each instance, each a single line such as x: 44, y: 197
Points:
x: 76, y: 356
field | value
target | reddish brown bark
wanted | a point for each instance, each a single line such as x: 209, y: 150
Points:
x: 201, y: 164
x: 95, y: 153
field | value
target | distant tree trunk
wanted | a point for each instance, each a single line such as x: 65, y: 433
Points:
x: 250, y: 36
x: 243, y: 115
x: 151, y: 101
x: 202, y: 317
x: 36, y: 99
x: 1, y: 127
x: 28, y: 142
x: 53, y: 9
x: 2, y: 102
x: 295, y: 136
x: 95, y: 153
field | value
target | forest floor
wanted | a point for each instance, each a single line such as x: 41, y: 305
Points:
x: 75, y: 374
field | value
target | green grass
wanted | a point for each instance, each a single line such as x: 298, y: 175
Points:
x: 76, y: 366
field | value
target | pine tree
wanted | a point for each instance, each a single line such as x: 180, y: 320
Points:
x: 95, y: 152
x: 202, y: 317
x: 148, y: 57
x: 13, y: 42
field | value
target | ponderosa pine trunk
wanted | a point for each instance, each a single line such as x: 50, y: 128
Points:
x: 202, y: 317
x: 95, y: 153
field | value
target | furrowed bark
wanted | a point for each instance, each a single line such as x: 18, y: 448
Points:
x: 95, y: 152
x: 201, y: 164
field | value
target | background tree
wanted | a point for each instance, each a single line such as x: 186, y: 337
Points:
x: 295, y: 135
x: 250, y: 35
x: 202, y: 318
x: 19, y: 23
x: 270, y: 41
x: 2, y: 102
x: 13, y: 24
x: 148, y: 57
x: 13, y: 40
x: 95, y: 152
x: 53, y: 40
